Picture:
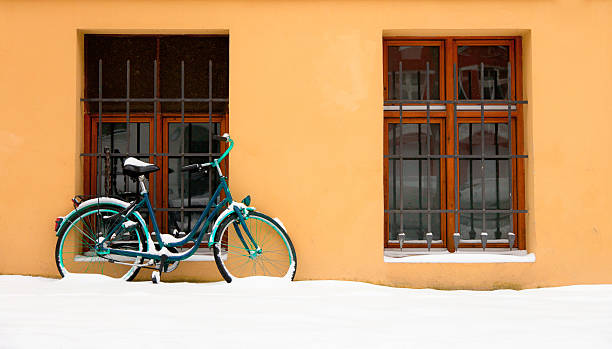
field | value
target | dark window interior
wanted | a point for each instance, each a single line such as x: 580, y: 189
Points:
x: 196, y: 53
x: 169, y: 51
x: 114, y: 52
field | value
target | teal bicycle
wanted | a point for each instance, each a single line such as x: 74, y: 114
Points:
x: 109, y: 236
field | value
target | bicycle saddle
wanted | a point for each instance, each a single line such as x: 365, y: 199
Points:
x: 134, y: 167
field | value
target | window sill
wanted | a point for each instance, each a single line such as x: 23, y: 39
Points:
x: 462, y: 256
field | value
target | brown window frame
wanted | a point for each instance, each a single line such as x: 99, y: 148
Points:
x: 443, y: 202
x: 448, y: 58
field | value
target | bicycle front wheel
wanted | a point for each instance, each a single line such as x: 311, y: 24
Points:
x: 75, y: 251
x: 275, y: 256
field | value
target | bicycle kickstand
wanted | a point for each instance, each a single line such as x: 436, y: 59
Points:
x: 163, y: 267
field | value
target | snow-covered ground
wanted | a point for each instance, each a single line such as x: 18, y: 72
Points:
x: 96, y: 312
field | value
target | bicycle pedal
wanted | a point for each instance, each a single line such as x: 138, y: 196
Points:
x: 155, y: 277
x: 178, y: 234
x: 163, y: 264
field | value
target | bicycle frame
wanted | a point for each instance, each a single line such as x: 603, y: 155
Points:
x: 195, y: 235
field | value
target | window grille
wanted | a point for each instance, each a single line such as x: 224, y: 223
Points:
x: 471, y: 213
x: 109, y: 162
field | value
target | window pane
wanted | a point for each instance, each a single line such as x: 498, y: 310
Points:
x: 415, y: 180
x: 415, y: 227
x: 496, y: 180
x: 115, y: 140
x: 412, y: 138
x: 114, y: 52
x: 495, y: 139
x: 196, y: 52
x: 495, y: 60
x: 196, y: 137
x: 189, y: 220
x: 196, y: 186
x: 414, y: 72
x: 498, y: 226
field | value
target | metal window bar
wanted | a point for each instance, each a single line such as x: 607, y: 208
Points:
x: 401, y: 160
x: 509, y: 102
x: 482, y: 153
x: 420, y: 232
x: 100, y: 155
x: 428, y: 130
x: 182, y: 143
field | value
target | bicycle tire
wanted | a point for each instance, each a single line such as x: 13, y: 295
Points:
x: 76, y: 238
x: 277, y: 257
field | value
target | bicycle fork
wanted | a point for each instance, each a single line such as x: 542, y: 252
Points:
x: 255, y: 249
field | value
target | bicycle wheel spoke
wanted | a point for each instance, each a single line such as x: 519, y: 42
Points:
x: 275, y: 261
x: 238, y: 254
x: 76, y: 252
x: 88, y: 226
x: 265, y: 238
x: 244, y: 264
x: 263, y: 266
x: 236, y: 247
x: 277, y: 268
x: 84, y: 243
x: 102, y: 265
x: 274, y: 252
x: 85, y: 234
x: 272, y: 258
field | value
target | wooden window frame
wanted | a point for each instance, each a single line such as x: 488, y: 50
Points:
x: 448, y: 57
x: 165, y: 163
x: 161, y: 180
x: 431, y: 43
x: 443, y: 182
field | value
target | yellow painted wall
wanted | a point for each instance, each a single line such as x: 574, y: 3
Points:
x: 322, y: 63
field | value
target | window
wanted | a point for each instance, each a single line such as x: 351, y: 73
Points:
x: 452, y: 131
x: 156, y: 106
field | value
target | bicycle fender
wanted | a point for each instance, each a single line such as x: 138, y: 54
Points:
x: 229, y: 210
x: 102, y: 200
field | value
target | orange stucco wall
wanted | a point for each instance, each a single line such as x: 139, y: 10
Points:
x: 322, y: 133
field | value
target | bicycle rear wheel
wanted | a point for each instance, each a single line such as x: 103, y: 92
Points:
x: 276, y: 257
x: 75, y: 249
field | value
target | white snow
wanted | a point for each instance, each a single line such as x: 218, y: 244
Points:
x: 128, y: 224
x: 168, y: 239
x: 101, y: 200
x: 98, y: 312
x: 229, y: 210
x: 277, y: 220
x: 135, y: 162
x: 459, y: 257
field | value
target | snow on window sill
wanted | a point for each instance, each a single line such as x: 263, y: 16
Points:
x: 394, y: 255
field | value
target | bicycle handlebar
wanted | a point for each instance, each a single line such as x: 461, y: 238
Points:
x: 200, y: 167
x: 226, y: 137
x: 223, y: 138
